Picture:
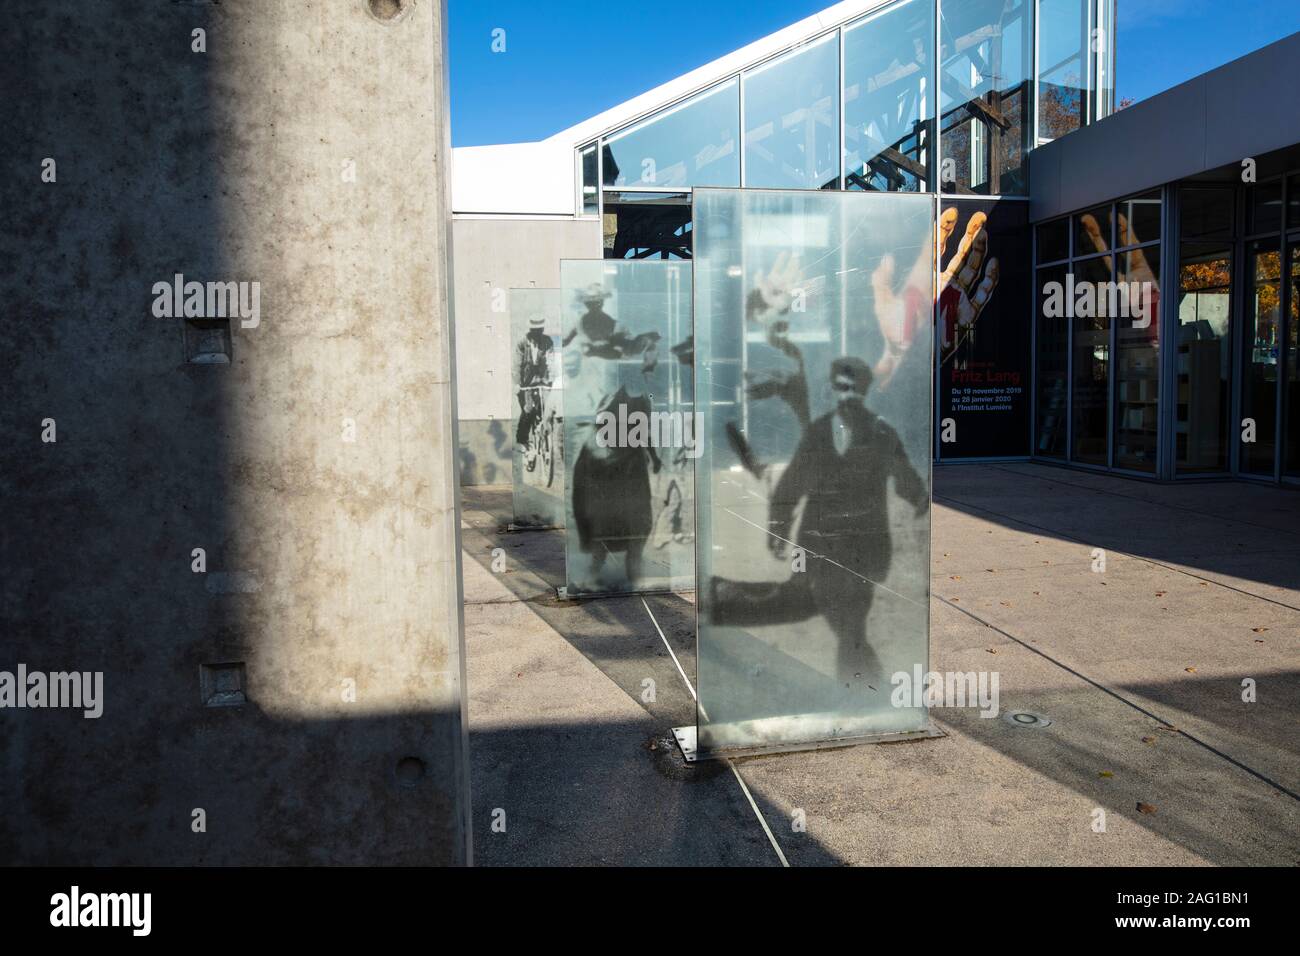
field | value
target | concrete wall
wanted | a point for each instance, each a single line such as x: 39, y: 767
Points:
x: 494, y: 256
x: 316, y: 470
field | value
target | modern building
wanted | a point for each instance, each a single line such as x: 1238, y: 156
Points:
x: 1004, y: 111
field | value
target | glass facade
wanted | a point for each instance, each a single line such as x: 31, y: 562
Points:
x: 813, y: 337
x: 792, y: 109
x: 856, y: 108
x: 889, y: 98
x: 1226, y: 401
x: 1203, y: 401
x: 1291, y: 407
x: 1137, y: 334
x: 1097, y: 361
x: 629, y: 427
x: 985, y: 95
x: 1064, y: 64
x: 1260, y: 379
x: 1203, y: 396
x: 695, y: 143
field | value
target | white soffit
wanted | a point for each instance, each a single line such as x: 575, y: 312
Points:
x: 517, y: 178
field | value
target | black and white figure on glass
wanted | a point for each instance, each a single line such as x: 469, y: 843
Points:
x: 598, y: 333
x: 841, y: 475
x: 611, y: 488
x: 832, y: 500
x: 535, y: 433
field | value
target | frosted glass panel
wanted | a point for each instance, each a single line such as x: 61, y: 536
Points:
x: 813, y: 339
x: 629, y: 429
x: 536, y: 375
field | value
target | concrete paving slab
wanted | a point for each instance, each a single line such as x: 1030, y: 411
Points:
x: 569, y: 769
x: 1194, y: 578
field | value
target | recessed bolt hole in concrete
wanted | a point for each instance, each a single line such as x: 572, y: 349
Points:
x: 389, y: 11
x: 410, y: 771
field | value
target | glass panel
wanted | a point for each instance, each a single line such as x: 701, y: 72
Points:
x: 1103, y: 47
x: 889, y: 98
x: 1063, y: 56
x: 1137, y: 358
x: 813, y: 326
x: 646, y: 225
x: 1201, y: 425
x: 1293, y: 203
x: 1263, y: 341
x: 1291, y: 450
x: 629, y: 426
x: 1053, y: 369
x: 984, y: 96
x: 1092, y: 233
x: 1054, y: 241
x: 691, y: 144
x: 792, y: 126
x: 1205, y: 213
x: 590, y: 197
x: 1138, y: 220
x: 1091, y: 361
x: 1264, y: 208
x: 536, y: 375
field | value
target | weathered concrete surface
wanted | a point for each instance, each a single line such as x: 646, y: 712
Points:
x: 231, y: 164
x: 1191, y: 571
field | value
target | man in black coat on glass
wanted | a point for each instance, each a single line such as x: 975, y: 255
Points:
x: 841, y: 473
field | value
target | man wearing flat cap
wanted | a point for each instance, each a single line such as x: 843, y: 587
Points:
x: 841, y: 472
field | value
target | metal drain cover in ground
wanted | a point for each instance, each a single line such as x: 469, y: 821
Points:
x: 1023, y: 718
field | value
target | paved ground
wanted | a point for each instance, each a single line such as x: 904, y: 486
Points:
x: 1139, y: 668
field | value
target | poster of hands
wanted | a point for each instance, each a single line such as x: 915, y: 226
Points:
x: 536, y: 373
x: 813, y: 343
x: 630, y: 428
x: 984, y: 332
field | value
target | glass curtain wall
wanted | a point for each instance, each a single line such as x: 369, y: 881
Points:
x: 792, y: 119
x: 1137, y: 333
x: 1065, y: 48
x: 1052, y: 373
x: 813, y: 329
x: 1269, y: 391
x: 1267, y: 361
x: 695, y: 143
x: 630, y: 434
x: 1262, y: 348
x: 1291, y: 408
x: 856, y: 108
x: 889, y: 99
x: 1098, y: 352
x: 1203, y: 391
x: 985, y: 93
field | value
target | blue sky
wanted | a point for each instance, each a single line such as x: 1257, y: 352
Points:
x: 565, y: 60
